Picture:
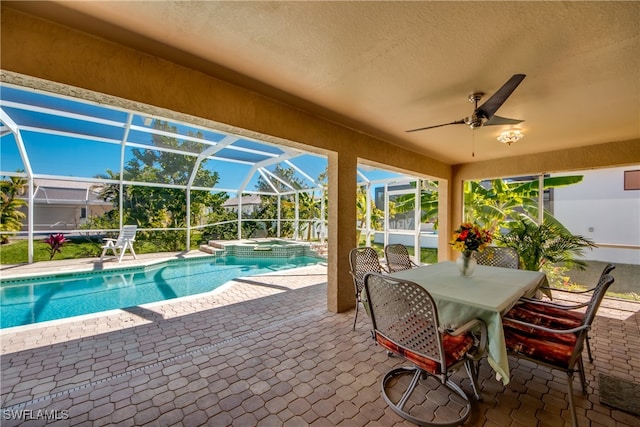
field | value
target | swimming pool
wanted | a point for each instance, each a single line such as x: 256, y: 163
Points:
x: 32, y: 300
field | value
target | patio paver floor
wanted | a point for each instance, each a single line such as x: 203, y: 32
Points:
x: 265, y: 351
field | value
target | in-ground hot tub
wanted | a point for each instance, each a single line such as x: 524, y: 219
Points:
x: 268, y: 248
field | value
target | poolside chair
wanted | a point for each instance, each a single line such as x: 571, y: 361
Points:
x: 552, y: 341
x: 362, y: 261
x: 569, y: 312
x: 120, y: 245
x: 495, y: 256
x: 397, y: 258
x: 405, y: 323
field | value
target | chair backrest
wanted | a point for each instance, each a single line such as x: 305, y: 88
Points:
x: 608, y: 269
x: 362, y: 261
x: 127, y: 234
x: 495, y: 256
x: 404, y: 313
x: 397, y: 257
x: 597, y: 296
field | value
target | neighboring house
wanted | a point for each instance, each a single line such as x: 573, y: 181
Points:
x: 65, y: 205
x: 250, y: 204
x: 605, y: 208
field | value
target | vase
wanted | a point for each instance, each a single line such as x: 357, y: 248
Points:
x: 467, y: 263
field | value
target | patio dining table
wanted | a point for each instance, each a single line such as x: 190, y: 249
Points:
x: 486, y: 295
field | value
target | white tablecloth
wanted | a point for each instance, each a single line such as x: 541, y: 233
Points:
x: 487, y: 295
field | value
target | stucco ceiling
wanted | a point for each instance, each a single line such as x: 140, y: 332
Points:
x: 385, y: 67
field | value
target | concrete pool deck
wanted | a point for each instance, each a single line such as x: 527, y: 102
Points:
x: 264, y: 351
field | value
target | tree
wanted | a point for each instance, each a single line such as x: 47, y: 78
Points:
x: 163, y: 206
x: 268, y: 209
x: 10, y: 214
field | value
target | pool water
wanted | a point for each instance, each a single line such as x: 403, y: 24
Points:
x: 33, y: 300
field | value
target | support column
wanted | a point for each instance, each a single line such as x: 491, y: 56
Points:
x: 342, y: 230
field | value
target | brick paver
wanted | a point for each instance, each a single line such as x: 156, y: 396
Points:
x: 265, y: 351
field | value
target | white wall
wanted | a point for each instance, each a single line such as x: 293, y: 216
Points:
x: 599, y: 209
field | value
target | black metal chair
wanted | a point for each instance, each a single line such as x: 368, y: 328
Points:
x: 405, y: 322
x: 495, y: 256
x: 570, y: 312
x: 397, y: 258
x: 362, y: 261
x: 552, y: 341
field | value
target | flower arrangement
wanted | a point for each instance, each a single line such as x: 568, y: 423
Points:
x: 470, y: 237
x: 55, y: 242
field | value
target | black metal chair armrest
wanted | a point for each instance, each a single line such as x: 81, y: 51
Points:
x: 553, y: 304
x: 553, y: 331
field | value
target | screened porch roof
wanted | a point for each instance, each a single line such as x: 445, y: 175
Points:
x: 45, y: 135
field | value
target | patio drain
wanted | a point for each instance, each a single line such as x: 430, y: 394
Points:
x: 21, y: 405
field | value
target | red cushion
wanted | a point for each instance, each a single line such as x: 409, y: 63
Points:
x: 574, y: 317
x: 553, y: 352
x: 550, y: 317
x: 454, y: 348
x: 568, y: 339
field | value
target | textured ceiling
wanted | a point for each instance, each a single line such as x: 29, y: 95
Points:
x: 385, y: 67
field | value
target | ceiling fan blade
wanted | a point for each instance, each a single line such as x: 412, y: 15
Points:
x: 489, y: 108
x: 497, y: 120
x: 457, y: 122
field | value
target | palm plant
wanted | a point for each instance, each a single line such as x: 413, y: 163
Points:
x: 10, y: 214
x: 542, y: 246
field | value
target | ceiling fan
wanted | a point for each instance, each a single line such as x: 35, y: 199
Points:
x: 484, y: 115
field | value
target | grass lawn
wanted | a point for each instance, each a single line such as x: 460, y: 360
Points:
x: 16, y: 252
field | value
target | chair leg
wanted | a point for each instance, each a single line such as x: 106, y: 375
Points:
x: 355, y: 319
x: 132, y: 251
x: 572, y: 408
x: 589, y: 348
x: 583, y: 380
x: 472, y: 370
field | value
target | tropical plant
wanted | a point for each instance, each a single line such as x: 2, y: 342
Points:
x: 55, y: 242
x: 546, y: 245
x: 376, y: 215
x: 499, y: 203
x: 10, y: 214
x: 428, y: 201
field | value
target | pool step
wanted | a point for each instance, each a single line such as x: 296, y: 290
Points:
x: 212, y: 250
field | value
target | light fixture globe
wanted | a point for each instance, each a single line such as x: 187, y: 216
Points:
x: 510, y: 136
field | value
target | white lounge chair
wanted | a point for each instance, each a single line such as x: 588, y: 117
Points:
x: 120, y: 245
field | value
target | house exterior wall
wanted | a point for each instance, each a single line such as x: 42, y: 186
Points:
x: 600, y: 209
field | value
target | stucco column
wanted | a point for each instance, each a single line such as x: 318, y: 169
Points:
x: 342, y: 230
x: 445, y: 220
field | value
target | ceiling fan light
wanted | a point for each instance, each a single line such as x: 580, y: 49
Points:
x: 510, y: 136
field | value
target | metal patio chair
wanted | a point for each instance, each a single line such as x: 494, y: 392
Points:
x: 571, y: 313
x: 362, y: 261
x: 397, y: 258
x: 495, y: 256
x: 554, y: 342
x: 405, y: 323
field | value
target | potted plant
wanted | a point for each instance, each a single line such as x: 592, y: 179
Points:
x: 542, y: 246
